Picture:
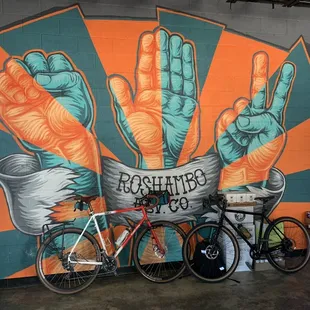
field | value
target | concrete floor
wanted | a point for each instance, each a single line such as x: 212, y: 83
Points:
x: 256, y: 290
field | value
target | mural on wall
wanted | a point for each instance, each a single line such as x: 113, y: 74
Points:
x: 114, y: 108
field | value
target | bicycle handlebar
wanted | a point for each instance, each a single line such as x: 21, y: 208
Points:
x: 154, y: 205
x: 83, y: 202
x: 218, y: 198
x: 161, y: 197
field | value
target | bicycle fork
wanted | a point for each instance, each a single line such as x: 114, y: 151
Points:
x: 154, y: 235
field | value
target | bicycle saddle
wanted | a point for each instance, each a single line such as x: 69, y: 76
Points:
x: 265, y: 199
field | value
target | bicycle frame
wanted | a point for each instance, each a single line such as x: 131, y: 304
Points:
x: 93, y: 217
x: 260, y: 237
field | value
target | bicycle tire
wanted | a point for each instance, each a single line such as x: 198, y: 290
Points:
x: 46, y: 243
x: 268, y: 255
x: 136, y: 252
x: 186, y: 248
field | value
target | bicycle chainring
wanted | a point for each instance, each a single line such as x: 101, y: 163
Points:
x: 109, y: 264
x: 254, y: 254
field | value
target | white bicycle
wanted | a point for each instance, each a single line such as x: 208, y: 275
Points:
x: 69, y: 259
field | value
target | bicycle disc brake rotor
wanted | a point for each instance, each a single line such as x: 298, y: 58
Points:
x: 158, y: 252
x: 211, y: 252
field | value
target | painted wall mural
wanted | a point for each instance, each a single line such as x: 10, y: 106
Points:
x: 114, y: 108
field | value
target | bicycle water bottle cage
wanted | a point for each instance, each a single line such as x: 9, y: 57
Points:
x: 80, y: 205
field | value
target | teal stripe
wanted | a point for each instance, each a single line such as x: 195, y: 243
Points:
x: 205, y: 35
x: 297, y: 110
x: 10, y: 144
x: 297, y: 187
x: 143, y: 243
x: 174, y: 248
x: 67, y: 32
x: 18, y: 251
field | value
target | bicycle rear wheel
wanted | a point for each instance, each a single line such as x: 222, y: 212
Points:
x: 150, y: 261
x: 288, y: 245
x: 208, y: 256
x: 52, y: 265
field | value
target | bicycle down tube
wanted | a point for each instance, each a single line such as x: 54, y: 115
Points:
x: 93, y: 218
x: 260, y: 236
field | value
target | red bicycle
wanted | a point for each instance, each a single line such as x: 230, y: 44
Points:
x: 69, y: 259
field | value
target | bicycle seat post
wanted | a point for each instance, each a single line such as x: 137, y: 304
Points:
x: 91, y: 210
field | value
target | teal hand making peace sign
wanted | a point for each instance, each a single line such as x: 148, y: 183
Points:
x: 251, y: 136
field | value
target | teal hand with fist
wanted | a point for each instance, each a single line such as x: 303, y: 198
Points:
x: 47, y: 105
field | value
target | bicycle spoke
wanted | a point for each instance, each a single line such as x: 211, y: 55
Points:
x: 153, y: 263
x: 54, y: 270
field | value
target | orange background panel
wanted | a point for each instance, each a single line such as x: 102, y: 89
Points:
x: 116, y: 43
x: 292, y: 209
x: 296, y: 154
x: 27, y: 272
x: 106, y: 152
x: 3, y: 57
x: 57, y: 147
x: 5, y: 223
x: 3, y: 128
x: 229, y: 78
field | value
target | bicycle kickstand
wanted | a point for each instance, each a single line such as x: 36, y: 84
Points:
x: 251, y: 266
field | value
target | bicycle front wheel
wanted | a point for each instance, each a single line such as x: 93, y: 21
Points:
x: 288, y: 245
x: 153, y: 263
x: 211, y: 253
x: 56, y: 272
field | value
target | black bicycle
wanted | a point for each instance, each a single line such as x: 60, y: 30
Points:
x: 211, y: 251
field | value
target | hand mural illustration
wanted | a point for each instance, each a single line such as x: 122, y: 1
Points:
x: 46, y: 104
x: 251, y: 135
x: 155, y: 120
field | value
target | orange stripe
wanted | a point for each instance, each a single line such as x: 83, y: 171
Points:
x: 3, y: 57
x: 45, y: 112
x: 296, y: 154
x: 3, y: 128
x: 292, y: 209
x: 240, y: 173
x: 229, y: 79
x: 27, y: 272
x: 191, y: 139
x: 116, y: 43
x: 5, y: 222
x: 65, y: 210
x: 106, y: 152
x: 54, y: 265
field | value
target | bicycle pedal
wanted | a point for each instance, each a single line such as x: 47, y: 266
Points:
x: 115, y: 273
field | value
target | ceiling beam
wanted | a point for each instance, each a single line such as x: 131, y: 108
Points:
x: 291, y: 3
x: 285, y: 3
